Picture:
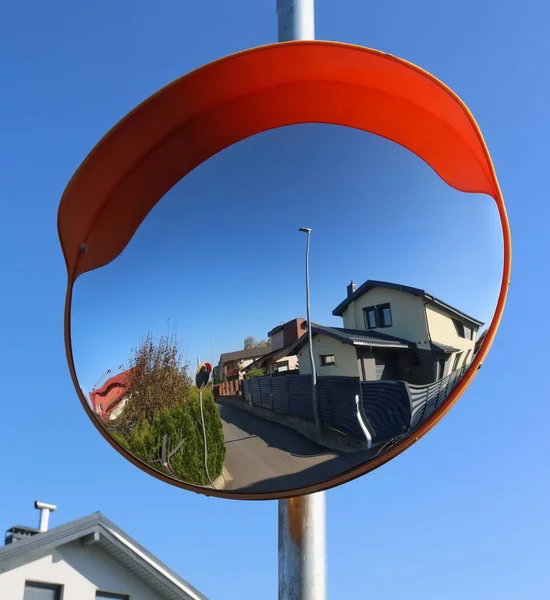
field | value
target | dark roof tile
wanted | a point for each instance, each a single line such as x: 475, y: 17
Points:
x: 356, y: 337
x: 246, y: 353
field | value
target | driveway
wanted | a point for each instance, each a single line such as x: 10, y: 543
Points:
x: 262, y: 456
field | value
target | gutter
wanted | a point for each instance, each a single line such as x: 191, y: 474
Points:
x: 153, y: 564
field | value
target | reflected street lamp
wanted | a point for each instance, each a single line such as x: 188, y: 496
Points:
x: 310, y: 340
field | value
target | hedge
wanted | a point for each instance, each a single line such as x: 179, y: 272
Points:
x: 183, y: 421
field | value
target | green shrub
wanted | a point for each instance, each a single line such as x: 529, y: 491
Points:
x: 163, y: 404
x: 184, y: 421
x: 257, y: 372
x: 188, y: 463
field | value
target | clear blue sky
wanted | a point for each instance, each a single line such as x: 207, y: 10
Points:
x: 463, y: 514
x: 221, y: 258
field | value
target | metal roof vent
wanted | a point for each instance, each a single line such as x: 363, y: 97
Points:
x: 20, y: 532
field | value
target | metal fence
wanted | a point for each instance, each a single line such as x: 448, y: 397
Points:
x: 426, y: 399
x: 386, y: 409
x: 292, y: 395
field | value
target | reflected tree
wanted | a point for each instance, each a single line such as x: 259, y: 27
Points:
x: 251, y: 342
x: 161, y: 422
x: 158, y: 380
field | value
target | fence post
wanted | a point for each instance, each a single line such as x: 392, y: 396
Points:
x: 260, y: 392
x: 288, y: 394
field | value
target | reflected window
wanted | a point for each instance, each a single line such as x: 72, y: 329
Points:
x: 457, y: 360
x: 440, y: 368
x: 378, y: 316
x: 385, y: 315
x: 463, y: 331
x: 370, y: 317
x: 41, y: 591
x: 327, y: 359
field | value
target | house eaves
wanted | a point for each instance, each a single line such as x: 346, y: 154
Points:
x: 371, y: 284
x: 97, y: 529
x: 354, y: 337
x: 444, y: 348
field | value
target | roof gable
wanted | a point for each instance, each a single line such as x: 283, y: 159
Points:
x: 96, y: 528
x: 371, y: 284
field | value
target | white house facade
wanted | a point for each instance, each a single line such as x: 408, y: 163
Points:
x: 392, y: 332
x: 87, y: 559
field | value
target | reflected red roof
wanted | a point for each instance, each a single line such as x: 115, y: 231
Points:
x: 105, y: 399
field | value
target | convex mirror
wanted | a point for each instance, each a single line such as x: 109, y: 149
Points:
x: 405, y: 279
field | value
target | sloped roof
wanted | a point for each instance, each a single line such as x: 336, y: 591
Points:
x: 275, y: 330
x: 246, y: 353
x: 371, y: 284
x: 112, y: 392
x: 439, y: 347
x: 355, y: 337
x: 274, y: 355
x: 97, y: 529
x: 121, y: 379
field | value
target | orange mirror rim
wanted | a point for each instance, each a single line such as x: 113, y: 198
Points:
x: 198, y: 115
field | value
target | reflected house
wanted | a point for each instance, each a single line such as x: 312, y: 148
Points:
x: 109, y: 400
x: 232, y: 364
x: 283, y: 339
x: 391, y: 332
x: 479, y: 341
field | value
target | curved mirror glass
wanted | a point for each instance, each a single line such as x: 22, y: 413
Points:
x: 404, y: 275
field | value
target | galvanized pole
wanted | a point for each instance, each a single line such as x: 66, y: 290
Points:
x: 302, y: 548
x: 302, y: 520
x: 295, y: 20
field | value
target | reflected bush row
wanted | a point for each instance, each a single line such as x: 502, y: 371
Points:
x: 153, y: 410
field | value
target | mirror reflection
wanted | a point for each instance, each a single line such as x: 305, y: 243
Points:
x: 404, y: 275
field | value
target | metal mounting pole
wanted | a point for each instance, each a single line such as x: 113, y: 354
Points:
x: 302, y: 520
x: 295, y: 20
x: 302, y: 548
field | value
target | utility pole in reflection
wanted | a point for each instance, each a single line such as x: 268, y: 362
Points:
x: 315, y: 406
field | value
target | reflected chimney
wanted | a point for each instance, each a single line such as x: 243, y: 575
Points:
x: 351, y: 288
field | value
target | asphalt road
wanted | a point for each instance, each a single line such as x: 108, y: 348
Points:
x: 262, y: 456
